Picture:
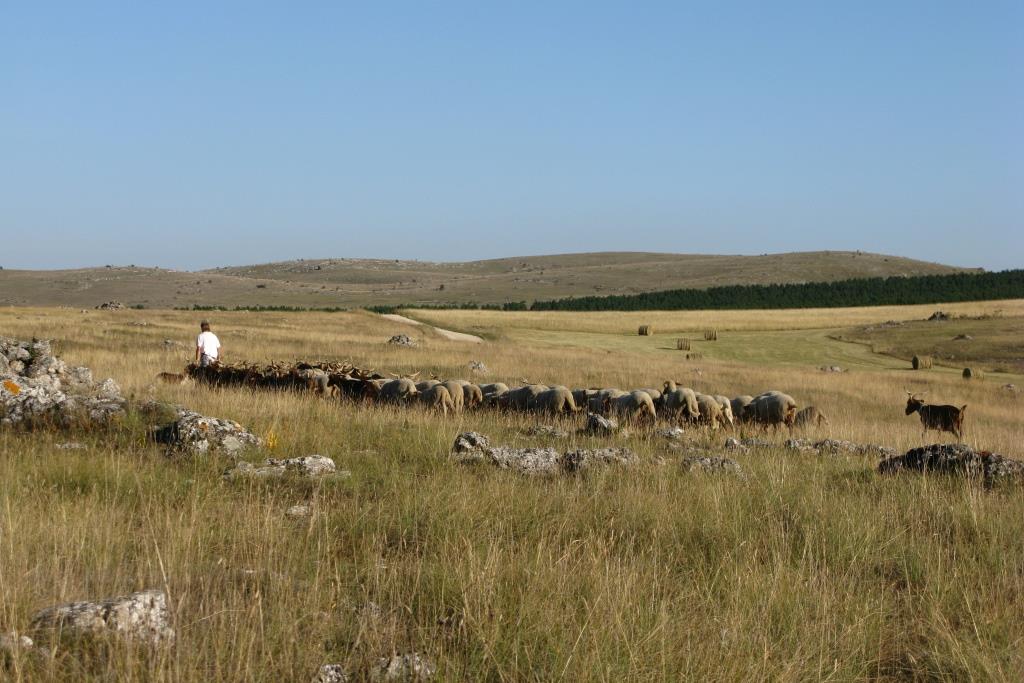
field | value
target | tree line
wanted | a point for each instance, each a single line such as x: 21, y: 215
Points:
x: 876, y: 291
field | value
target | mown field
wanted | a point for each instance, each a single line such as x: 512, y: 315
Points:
x: 813, y: 568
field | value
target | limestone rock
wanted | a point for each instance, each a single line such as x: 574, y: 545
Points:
x: 956, y: 459
x: 332, y: 673
x: 38, y: 386
x: 531, y: 461
x: 712, y: 465
x: 299, y: 511
x: 600, y: 425
x: 140, y: 616
x: 582, y: 458
x: 194, y: 434
x: 406, y: 667
x: 548, y: 431
x: 470, y: 443
x: 309, y: 466
x: 671, y: 433
x: 402, y: 340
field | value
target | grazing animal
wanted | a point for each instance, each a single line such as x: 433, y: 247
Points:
x: 423, y: 385
x: 582, y: 396
x: 171, y: 378
x: 395, y: 390
x: 809, y: 417
x: 654, y: 394
x: 437, y: 397
x: 726, y: 406
x: 458, y: 395
x: 521, y: 398
x: 772, y: 408
x: 473, y: 396
x: 679, y: 402
x: 739, y: 407
x: 634, y: 406
x: 942, y: 418
x: 710, y: 411
x: 556, y: 400
x: 601, y: 402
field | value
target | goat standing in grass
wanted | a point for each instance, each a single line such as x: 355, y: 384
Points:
x: 942, y: 418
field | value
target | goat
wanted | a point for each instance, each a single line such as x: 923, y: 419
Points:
x: 942, y: 418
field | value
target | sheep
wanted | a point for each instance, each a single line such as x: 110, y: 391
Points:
x: 739, y: 407
x: 679, y: 401
x: 425, y: 384
x: 492, y: 392
x: 772, y: 408
x: 636, y: 405
x: 557, y: 400
x: 521, y: 398
x: 457, y: 394
x: 809, y: 417
x: 726, y: 405
x: 582, y: 396
x: 655, y: 394
x: 600, y: 401
x: 438, y: 397
x: 394, y: 390
x: 710, y: 411
x: 945, y: 418
x: 473, y: 396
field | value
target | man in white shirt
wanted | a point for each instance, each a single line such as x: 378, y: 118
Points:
x: 208, y: 348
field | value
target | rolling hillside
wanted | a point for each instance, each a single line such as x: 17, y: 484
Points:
x: 321, y: 283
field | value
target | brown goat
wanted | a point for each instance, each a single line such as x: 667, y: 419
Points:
x: 942, y: 418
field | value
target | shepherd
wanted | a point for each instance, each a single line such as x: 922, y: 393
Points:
x: 208, y: 347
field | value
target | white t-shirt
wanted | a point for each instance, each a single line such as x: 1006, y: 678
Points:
x: 208, y: 344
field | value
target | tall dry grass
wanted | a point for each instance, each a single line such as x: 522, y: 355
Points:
x: 813, y: 568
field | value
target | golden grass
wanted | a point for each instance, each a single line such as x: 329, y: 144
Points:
x: 695, y: 322
x: 813, y: 568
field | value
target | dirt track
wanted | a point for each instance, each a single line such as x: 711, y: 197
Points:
x: 447, y: 334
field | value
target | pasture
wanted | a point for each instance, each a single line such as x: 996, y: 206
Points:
x: 814, y: 567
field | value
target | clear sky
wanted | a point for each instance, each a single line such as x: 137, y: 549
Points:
x: 194, y: 134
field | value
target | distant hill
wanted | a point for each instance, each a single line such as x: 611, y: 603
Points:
x: 322, y: 283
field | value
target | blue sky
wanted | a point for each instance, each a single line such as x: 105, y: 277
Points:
x: 193, y: 134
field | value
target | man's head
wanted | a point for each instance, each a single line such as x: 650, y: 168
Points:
x: 204, y: 326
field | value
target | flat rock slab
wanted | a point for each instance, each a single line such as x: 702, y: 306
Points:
x: 308, y: 466
x: 956, y: 459
x: 140, y: 616
x: 471, y: 447
x: 839, y: 446
x: 600, y: 425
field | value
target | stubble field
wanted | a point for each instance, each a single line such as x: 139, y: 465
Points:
x: 813, y: 567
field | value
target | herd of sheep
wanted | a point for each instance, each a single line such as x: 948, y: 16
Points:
x: 671, y: 402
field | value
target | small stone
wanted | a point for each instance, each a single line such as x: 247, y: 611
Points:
x: 405, y: 667
x: 672, y: 433
x: 402, y: 340
x: 548, y: 431
x: 299, y: 511
x: 600, y: 425
x: 712, y: 465
x: 332, y: 673
x: 477, y: 367
x: 71, y: 446
x: 469, y: 442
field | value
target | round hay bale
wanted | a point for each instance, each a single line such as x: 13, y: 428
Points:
x: 710, y: 335
x: 971, y: 373
x: 682, y: 344
x: 921, y: 362
x: 645, y: 331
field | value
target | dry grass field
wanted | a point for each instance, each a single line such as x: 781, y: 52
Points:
x: 813, y: 568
